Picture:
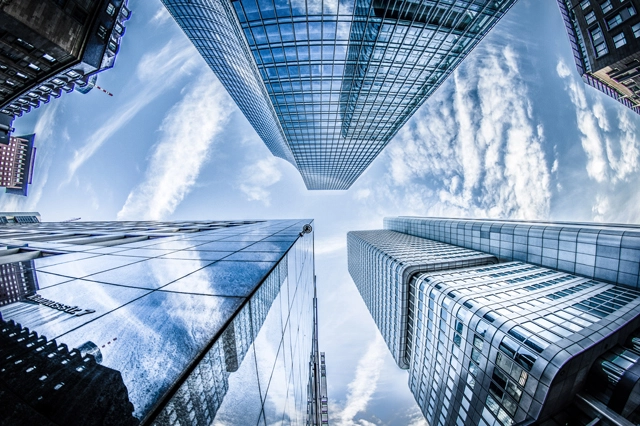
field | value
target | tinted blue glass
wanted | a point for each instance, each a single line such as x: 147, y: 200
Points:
x: 151, y: 273
x: 83, y: 267
x: 92, y: 300
x: 330, y: 89
x: 224, y: 279
x: 155, y: 337
x: 255, y: 256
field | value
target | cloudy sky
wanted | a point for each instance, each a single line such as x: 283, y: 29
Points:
x: 513, y: 133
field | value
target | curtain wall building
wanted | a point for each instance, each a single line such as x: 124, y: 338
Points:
x: 605, y: 38
x: 504, y: 323
x: 326, y: 85
x: 163, y: 323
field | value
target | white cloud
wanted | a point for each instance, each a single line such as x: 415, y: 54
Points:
x: 156, y: 72
x: 256, y: 178
x: 362, y: 194
x: 44, y: 129
x: 601, y: 208
x: 418, y: 420
x: 563, y: 70
x: 161, y: 16
x: 612, y: 151
x: 475, y: 152
x: 330, y: 245
x: 188, y: 132
x: 364, y: 384
x: 623, y: 156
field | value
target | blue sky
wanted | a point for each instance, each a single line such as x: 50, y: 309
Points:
x: 513, y: 133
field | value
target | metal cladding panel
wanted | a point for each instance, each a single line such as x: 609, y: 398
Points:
x: 381, y: 263
x: 512, y: 342
x: 606, y: 252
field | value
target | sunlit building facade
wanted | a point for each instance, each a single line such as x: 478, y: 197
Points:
x: 605, y: 39
x: 165, y: 323
x: 505, y: 342
x: 326, y: 85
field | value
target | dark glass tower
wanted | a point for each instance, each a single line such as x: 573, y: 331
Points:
x: 327, y: 84
x: 165, y: 323
x: 527, y: 336
x: 51, y: 47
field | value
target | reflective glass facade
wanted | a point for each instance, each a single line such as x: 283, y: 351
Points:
x: 163, y: 323
x: 327, y: 84
x: 503, y: 343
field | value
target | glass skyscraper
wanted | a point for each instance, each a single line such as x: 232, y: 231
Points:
x: 326, y: 84
x: 513, y: 340
x: 164, y: 323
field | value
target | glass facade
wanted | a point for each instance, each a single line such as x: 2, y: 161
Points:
x: 490, y: 345
x: 504, y: 343
x: 604, y: 252
x: 327, y: 84
x: 380, y: 263
x: 158, y: 323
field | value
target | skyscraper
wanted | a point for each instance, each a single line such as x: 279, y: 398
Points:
x: 508, y: 326
x: 605, y: 38
x: 50, y: 46
x: 16, y: 164
x: 165, y: 323
x: 326, y: 85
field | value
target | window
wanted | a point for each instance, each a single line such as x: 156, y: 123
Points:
x: 102, y: 32
x: 619, y: 40
x: 73, y: 74
x: 24, y: 44
x: 590, y: 17
x: 112, y: 46
x: 34, y: 67
x: 636, y: 30
x: 606, y: 6
x: 601, y: 49
x: 48, y: 58
x: 620, y: 17
x: 584, y: 4
x: 118, y: 28
x: 614, y: 22
x: 111, y: 9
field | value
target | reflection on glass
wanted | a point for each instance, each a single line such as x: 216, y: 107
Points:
x: 17, y: 280
x: 160, y: 340
x: 43, y: 382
